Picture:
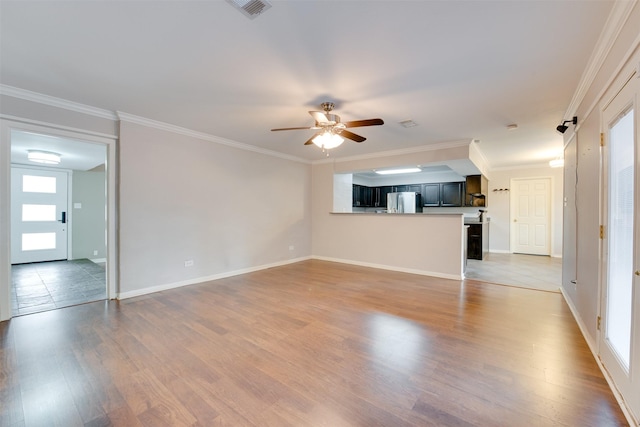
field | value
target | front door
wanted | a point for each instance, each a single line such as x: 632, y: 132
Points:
x: 38, y: 215
x: 531, y: 213
x: 619, y: 339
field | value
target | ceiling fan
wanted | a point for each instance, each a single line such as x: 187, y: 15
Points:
x: 331, y: 129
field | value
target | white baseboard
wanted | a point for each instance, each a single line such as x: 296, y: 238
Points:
x: 194, y: 281
x: 594, y: 351
x: 501, y: 251
x: 392, y: 268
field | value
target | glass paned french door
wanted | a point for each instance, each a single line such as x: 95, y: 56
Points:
x: 619, y: 339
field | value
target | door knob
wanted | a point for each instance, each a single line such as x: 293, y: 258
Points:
x: 515, y: 220
x: 637, y: 273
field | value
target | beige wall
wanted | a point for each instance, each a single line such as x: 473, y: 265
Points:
x: 227, y: 209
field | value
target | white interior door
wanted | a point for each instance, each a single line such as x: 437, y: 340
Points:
x: 38, y: 215
x: 531, y: 213
x: 619, y: 340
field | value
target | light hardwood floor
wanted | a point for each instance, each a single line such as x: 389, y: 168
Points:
x: 309, y: 344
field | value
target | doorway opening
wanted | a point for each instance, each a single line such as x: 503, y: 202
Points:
x: 58, y: 223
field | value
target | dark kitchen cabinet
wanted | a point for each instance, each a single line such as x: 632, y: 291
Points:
x: 451, y: 193
x: 362, y: 196
x: 447, y: 194
x: 431, y: 194
x: 414, y: 188
x: 477, y: 240
x: 474, y: 241
x: 379, y: 196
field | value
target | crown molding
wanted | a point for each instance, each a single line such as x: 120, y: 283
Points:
x: 537, y: 165
x: 389, y: 153
x: 126, y: 117
x: 618, y: 16
x: 52, y: 101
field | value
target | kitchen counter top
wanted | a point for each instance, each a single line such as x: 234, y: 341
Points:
x: 396, y: 214
x: 474, y: 221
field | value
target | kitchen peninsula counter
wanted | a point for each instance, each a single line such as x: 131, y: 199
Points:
x: 420, y: 243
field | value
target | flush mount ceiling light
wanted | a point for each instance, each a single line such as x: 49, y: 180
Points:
x: 397, y: 171
x: 556, y: 163
x: 328, y: 140
x: 562, y: 128
x: 45, y: 157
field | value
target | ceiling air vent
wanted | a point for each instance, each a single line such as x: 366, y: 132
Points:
x: 250, y: 8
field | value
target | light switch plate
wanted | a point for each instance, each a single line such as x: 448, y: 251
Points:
x: 77, y: 206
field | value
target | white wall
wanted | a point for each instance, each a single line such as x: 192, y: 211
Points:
x: 498, y: 206
x: 227, y: 209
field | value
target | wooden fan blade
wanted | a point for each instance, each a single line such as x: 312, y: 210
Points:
x: 319, y: 116
x: 352, y: 136
x: 360, y: 123
x: 310, y: 140
x: 293, y: 128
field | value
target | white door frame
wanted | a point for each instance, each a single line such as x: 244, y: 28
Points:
x: 110, y: 142
x: 512, y: 206
x: 625, y: 389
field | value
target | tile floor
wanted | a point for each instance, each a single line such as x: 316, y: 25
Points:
x: 45, y: 286
x: 524, y: 271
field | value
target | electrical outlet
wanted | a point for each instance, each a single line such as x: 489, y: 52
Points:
x: 291, y: 247
x: 95, y: 253
x: 188, y: 263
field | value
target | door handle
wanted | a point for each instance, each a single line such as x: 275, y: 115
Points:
x: 637, y: 273
x: 515, y: 220
x: 64, y: 218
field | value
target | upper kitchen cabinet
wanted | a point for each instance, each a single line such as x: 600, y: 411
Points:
x: 362, y: 196
x: 451, y: 193
x: 445, y: 194
x: 415, y: 188
x: 476, y: 193
x: 431, y: 194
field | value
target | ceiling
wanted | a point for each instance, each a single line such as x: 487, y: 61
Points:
x: 461, y: 70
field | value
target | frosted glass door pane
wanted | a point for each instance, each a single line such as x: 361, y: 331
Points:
x: 38, y: 241
x: 38, y: 212
x: 39, y: 184
x: 620, y: 227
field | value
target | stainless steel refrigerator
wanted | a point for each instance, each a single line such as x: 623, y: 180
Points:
x: 404, y: 202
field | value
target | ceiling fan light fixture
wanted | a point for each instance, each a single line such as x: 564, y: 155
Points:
x: 328, y: 140
x: 44, y: 157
